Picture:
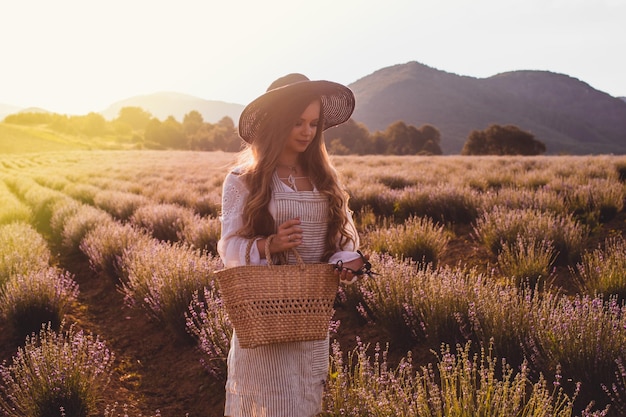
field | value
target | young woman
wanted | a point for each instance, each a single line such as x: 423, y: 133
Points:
x: 285, y: 185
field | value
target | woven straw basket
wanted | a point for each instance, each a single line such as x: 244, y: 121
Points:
x: 278, y: 303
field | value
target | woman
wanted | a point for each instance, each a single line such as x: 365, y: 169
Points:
x: 284, y: 185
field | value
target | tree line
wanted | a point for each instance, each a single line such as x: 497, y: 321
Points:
x: 193, y: 133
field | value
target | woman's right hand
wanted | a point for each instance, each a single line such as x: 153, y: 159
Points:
x: 288, y: 236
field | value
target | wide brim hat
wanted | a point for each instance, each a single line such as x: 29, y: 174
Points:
x: 337, y: 102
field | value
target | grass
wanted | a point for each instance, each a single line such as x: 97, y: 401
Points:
x: 459, y: 384
x: 22, y: 251
x: 56, y: 374
x: 42, y: 296
x: 18, y: 139
x: 469, y: 250
x: 418, y: 238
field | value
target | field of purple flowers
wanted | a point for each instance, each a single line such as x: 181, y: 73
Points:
x: 500, y: 291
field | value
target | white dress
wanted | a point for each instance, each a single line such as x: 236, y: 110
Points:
x: 283, y: 379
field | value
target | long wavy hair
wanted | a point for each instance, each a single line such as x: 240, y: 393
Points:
x: 257, y: 163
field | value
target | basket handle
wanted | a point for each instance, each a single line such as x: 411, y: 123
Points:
x: 268, y: 241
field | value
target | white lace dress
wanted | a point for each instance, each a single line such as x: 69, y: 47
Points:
x: 283, y: 379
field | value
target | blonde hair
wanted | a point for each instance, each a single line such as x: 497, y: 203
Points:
x: 258, y: 161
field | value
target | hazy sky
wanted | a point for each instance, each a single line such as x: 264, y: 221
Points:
x: 77, y: 56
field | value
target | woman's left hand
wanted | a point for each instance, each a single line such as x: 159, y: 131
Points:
x: 346, y: 275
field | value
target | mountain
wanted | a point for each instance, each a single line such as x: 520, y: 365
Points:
x: 165, y: 104
x: 6, y: 109
x: 565, y: 113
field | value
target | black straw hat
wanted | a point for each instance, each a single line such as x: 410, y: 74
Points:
x: 337, y: 102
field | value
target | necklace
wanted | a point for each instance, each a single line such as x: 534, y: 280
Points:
x: 291, y: 179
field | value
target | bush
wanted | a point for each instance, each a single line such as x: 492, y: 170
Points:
x: 603, y: 270
x: 583, y: 336
x: 56, y: 374
x: 62, y: 211
x: 40, y: 297
x: 105, y: 244
x: 208, y: 322
x: 162, y: 278
x: 596, y: 201
x: 500, y: 227
x: 417, y: 238
x: 118, y: 204
x: 39, y: 199
x: 22, y: 251
x: 79, y: 224
x: 459, y: 385
x: 202, y: 233
x: 165, y: 222
x: 414, y: 304
x: 443, y: 203
x: 12, y: 209
x: 527, y: 260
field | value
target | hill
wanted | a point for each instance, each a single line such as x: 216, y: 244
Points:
x: 6, y: 109
x: 165, y: 104
x: 566, y: 114
x: 16, y: 139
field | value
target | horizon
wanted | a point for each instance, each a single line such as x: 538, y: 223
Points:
x: 70, y: 57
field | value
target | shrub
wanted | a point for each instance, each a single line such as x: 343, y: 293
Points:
x: 165, y: 222
x: 208, y: 322
x: 376, y: 196
x: 62, y: 211
x: 442, y: 202
x: 417, y: 238
x: 162, y: 278
x: 22, y: 250
x: 84, y: 193
x: 458, y: 385
x: 616, y: 391
x: 500, y: 227
x: 598, y: 200
x: 501, y: 316
x: 415, y: 303
x: 38, y: 198
x: 33, y: 299
x: 542, y: 199
x: 527, y: 259
x: 112, y: 410
x: 105, y: 244
x: 603, y: 270
x: 12, y: 209
x: 582, y: 335
x: 395, y: 182
x: 202, y: 233
x: 118, y: 204
x: 79, y: 224
x: 56, y: 374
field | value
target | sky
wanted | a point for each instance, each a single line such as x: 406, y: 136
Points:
x: 79, y: 56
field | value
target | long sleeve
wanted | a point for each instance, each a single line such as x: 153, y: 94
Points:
x: 232, y: 247
x: 351, y: 229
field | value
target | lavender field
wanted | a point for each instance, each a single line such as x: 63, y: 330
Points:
x: 500, y: 291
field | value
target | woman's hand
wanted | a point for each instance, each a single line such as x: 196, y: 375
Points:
x: 346, y: 275
x: 288, y: 236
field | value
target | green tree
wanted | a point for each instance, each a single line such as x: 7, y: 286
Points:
x: 502, y: 140
x: 192, y: 122
x: 93, y: 124
x: 166, y: 134
x: 29, y: 118
x: 350, y: 137
x: 403, y: 139
x: 136, y: 117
